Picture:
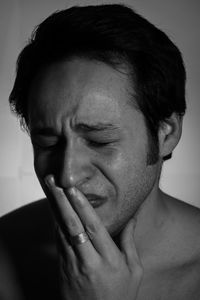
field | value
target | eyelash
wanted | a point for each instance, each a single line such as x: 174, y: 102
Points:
x: 91, y: 143
x: 98, y: 144
x: 40, y: 146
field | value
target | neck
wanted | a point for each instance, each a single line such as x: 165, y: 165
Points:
x: 151, y: 221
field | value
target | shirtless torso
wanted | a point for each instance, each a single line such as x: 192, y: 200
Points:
x: 171, y: 257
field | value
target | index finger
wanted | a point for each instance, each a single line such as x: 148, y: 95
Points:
x: 68, y: 220
x: 94, y: 227
x: 62, y: 209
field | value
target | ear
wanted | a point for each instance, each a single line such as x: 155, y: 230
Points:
x: 169, y: 134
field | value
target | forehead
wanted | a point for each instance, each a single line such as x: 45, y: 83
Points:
x: 80, y: 90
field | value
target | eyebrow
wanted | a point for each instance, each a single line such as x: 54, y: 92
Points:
x: 96, y: 127
x: 79, y: 127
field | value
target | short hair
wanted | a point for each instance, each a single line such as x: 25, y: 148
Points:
x: 114, y: 34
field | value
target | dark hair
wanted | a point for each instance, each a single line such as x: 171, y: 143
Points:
x: 116, y: 35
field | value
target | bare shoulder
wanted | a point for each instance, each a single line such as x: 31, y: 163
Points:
x: 174, y: 267
x: 184, y: 213
x: 27, y: 222
x: 27, y: 229
x: 9, y: 284
x: 28, y: 250
x: 184, y: 227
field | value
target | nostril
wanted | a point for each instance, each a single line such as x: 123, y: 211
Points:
x: 66, y: 180
x: 74, y: 167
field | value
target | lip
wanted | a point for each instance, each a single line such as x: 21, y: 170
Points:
x: 96, y: 201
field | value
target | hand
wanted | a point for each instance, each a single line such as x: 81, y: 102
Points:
x: 96, y: 269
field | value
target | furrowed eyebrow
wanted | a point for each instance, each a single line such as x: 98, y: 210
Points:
x: 96, y: 127
x: 79, y: 127
x: 43, y: 131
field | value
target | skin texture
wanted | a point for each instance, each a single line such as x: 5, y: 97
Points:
x: 110, y: 163
x: 143, y: 243
x: 69, y: 100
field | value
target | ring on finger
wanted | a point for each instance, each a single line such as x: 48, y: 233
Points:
x: 80, y: 238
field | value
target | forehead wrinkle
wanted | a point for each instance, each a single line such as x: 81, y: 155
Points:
x: 97, y: 107
x: 84, y: 98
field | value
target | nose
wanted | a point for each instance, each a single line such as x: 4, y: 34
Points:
x: 74, y: 167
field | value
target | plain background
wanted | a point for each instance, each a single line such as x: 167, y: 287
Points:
x: 180, y: 19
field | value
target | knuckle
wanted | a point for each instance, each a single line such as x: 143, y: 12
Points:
x: 89, y: 270
x: 72, y: 225
x: 92, y: 229
x: 59, y: 194
x: 115, y: 264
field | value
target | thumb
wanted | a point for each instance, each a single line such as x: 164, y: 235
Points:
x: 128, y: 246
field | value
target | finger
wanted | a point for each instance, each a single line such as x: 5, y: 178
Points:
x: 128, y: 246
x: 99, y: 236
x: 68, y: 219
x: 63, y: 211
x: 65, y: 250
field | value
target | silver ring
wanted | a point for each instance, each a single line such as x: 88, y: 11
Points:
x: 80, y: 238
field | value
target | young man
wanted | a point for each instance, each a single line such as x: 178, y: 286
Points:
x: 101, y: 92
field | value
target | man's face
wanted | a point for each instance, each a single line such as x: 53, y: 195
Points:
x: 85, y: 133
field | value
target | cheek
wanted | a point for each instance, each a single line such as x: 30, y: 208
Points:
x: 127, y: 159
x: 39, y: 169
x: 42, y: 164
x: 127, y: 169
x: 115, y: 170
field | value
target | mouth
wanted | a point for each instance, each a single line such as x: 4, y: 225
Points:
x: 96, y: 201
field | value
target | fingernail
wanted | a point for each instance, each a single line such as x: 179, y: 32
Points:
x: 49, y: 180
x: 77, y: 196
x: 72, y: 191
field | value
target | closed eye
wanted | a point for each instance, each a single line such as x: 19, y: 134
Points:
x: 98, y: 144
x: 45, y: 142
x: 44, y: 146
